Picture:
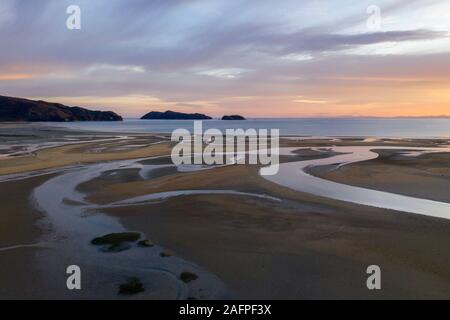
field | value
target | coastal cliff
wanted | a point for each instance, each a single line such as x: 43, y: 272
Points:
x: 233, y: 117
x: 171, y: 115
x: 18, y: 109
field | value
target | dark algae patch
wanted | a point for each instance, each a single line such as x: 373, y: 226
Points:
x: 145, y: 243
x: 187, y: 276
x: 116, y: 247
x: 116, y: 242
x: 165, y: 254
x: 132, y: 286
x: 116, y: 238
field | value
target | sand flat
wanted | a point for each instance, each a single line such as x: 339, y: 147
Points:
x: 74, y: 154
x: 426, y: 176
x: 264, y: 252
x: 302, y: 247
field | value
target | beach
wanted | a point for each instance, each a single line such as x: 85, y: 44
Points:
x: 242, y: 235
x: 224, y: 151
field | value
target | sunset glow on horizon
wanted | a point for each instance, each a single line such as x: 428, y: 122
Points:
x: 305, y: 59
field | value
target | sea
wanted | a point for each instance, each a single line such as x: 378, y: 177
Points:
x: 320, y: 127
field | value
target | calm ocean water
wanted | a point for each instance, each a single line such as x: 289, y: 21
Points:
x: 308, y: 127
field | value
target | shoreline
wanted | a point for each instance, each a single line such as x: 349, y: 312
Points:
x: 138, y: 126
x: 430, y: 174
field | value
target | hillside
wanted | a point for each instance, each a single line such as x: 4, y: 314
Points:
x: 18, y: 109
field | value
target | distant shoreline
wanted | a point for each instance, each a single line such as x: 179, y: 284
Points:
x: 313, y: 127
x: 307, y: 118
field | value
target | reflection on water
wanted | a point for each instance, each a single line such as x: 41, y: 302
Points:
x: 310, y: 127
x: 293, y: 175
x: 74, y: 219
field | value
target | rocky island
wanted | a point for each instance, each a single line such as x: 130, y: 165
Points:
x: 233, y: 117
x: 18, y: 109
x: 172, y: 115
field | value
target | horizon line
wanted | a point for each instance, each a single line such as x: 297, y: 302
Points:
x: 320, y: 117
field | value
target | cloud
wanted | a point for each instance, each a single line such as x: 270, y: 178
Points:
x: 225, y: 73
x: 300, y: 42
x: 15, y: 76
x: 115, y: 68
x: 310, y: 101
x: 185, y: 52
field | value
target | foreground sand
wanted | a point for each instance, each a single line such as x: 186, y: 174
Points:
x: 303, y: 247
x: 19, y: 226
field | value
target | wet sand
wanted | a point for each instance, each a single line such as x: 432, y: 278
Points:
x: 289, y: 253
x: 75, y: 154
x: 21, y: 225
x: 426, y: 176
x: 302, y: 247
x: 295, y: 249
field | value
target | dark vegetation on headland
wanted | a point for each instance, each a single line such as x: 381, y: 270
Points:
x: 18, y: 109
x: 13, y: 109
x: 171, y: 115
x: 233, y: 117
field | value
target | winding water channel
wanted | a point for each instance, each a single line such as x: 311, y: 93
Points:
x: 294, y: 176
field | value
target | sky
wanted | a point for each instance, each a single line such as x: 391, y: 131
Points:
x: 257, y: 58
